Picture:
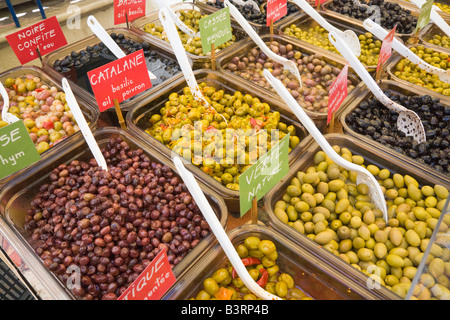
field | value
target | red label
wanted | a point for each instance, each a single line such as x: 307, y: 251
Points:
x: 153, y: 282
x: 276, y: 9
x: 46, y: 35
x: 338, y: 92
x: 320, y: 2
x: 120, y: 79
x: 133, y: 8
x: 386, y: 48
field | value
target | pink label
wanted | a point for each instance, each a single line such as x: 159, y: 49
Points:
x: 276, y: 9
x: 338, y: 92
x: 133, y: 8
x: 386, y: 48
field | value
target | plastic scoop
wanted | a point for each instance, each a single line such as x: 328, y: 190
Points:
x: 435, y: 16
x: 408, y: 121
x: 287, y: 64
x: 180, y: 53
x: 380, y: 32
x: 363, y: 175
x: 84, y: 127
x: 180, y: 24
x: 219, y: 232
x: 101, y: 33
x: 246, y: 3
x: 6, y: 116
x: 349, y: 36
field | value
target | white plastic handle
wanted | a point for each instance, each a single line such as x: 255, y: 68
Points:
x: 101, y: 33
x: 248, y: 2
x: 363, y: 175
x: 6, y: 116
x: 350, y: 37
x: 180, y: 24
x: 435, y: 16
x: 381, y: 33
x: 219, y: 232
x: 84, y: 127
x: 289, y: 65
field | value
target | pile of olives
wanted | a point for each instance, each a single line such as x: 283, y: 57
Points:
x: 440, y: 40
x: 326, y: 204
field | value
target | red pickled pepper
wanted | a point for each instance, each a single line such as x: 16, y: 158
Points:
x: 247, y: 262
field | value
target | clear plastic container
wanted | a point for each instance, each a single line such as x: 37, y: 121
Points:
x: 402, y: 89
x: 138, y: 122
x: 319, y: 118
x: 90, y: 113
x: 81, y: 85
x: 378, y: 157
x: 200, y: 62
x: 316, y: 277
x: 16, y: 196
x: 259, y: 28
x: 427, y: 33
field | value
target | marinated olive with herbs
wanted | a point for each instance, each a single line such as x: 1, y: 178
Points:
x: 345, y: 222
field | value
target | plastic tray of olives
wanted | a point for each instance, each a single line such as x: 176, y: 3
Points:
x: 436, y: 124
x: 194, y: 49
x: 444, y: 5
x: 326, y: 61
x: 386, y: 23
x: 313, y: 277
x: 434, y: 37
x: 17, y: 196
x: 160, y: 61
x: 338, y: 216
x: 255, y: 19
x: 50, y: 148
x: 400, y: 69
x: 313, y: 34
x: 139, y: 120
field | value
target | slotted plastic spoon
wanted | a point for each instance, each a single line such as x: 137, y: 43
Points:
x: 180, y: 24
x: 349, y: 36
x: 435, y: 16
x: 101, y: 33
x: 246, y: 3
x: 380, y: 33
x: 180, y: 53
x: 6, y: 116
x: 219, y: 232
x: 363, y: 175
x: 407, y: 121
x: 287, y: 64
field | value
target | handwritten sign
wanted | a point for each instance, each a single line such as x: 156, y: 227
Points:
x: 264, y: 174
x: 17, y: 150
x: 131, y: 8
x: 338, y: 92
x: 386, y: 48
x: 153, y: 282
x: 215, y: 28
x: 424, y: 15
x: 276, y: 9
x: 45, y: 35
x: 121, y: 79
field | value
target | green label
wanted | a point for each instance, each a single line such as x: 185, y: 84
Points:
x: 262, y: 176
x: 424, y: 16
x: 215, y: 28
x: 17, y: 150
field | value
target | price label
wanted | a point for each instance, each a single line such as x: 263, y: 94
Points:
x: 131, y: 8
x: 338, y: 92
x: 153, y: 282
x: 215, y: 28
x: 121, y: 79
x: 320, y: 2
x: 45, y: 35
x: 17, y: 150
x: 386, y: 48
x: 276, y: 9
x: 264, y: 174
x: 424, y: 15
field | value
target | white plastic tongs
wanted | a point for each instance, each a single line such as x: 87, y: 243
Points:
x: 289, y: 65
x: 363, y: 175
x: 219, y: 232
x: 380, y: 33
x: 435, y: 16
x: 408, y: 121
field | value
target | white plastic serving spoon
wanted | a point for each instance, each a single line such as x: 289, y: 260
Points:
x: 246, y: 3
x: 180, y: 53
x: 219, y: 232
x: 101, y: 33
x: 180, y: 24
x: 363, y: 175
x: 84, y: 127
x: 381, y: 33
x: 408, y: 121
x: 434, y: 16
x: 6, y: 116
x: 287, y: 64
x: 348, y: 35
